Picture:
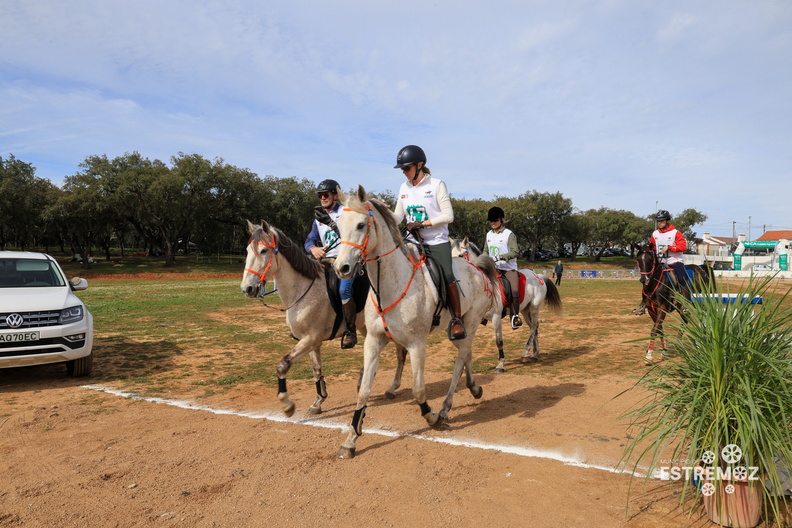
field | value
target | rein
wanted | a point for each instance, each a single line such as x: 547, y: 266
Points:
x: 651, y: 277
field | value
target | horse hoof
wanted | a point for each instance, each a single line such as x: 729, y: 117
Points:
x: 432, y: 418
x: 500, y: 370
x: 441, y: 423
x: 288, y: 410
x: 313, y: 410
x: 391, y: 395
x: 477, y: 393
x: 346, y: 452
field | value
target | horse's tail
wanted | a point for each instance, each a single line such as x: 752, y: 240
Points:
x: 706, y: 280
x: 485, y: 263
x: 552, y: 297
x: 710, y: 275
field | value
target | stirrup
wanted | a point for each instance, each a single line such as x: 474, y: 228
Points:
x: 516, y: 322
x: 451, y: 335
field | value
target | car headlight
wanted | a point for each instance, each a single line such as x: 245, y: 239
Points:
x: 71, y: 315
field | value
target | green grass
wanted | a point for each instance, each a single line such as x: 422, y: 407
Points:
x: 179, y: 336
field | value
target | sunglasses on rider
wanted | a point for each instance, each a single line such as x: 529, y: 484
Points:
x: 405, y: 168
x: 325, y: 194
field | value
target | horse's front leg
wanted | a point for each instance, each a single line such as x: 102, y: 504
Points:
x: 497, y: 323
x: 321, y: 386
x: 657, y: 329
x: 302, y: 346
x: 372, y: 348
x: 401, y: 357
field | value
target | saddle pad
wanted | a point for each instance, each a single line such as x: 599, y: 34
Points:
x: 522, y: 281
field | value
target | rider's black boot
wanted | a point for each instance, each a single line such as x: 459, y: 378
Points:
x: 350, y: 315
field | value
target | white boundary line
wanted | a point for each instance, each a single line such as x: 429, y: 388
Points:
x: 314, y: 422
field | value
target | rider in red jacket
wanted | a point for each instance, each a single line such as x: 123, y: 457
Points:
x: 669, y: 243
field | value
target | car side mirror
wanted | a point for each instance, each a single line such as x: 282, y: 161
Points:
x: 78, y: 284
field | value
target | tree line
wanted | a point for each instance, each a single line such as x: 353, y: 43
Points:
x: 133, y: 202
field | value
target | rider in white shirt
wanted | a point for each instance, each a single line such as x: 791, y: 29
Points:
x: 669, y: 243
x: 424, y: 201
x: 502, y: 247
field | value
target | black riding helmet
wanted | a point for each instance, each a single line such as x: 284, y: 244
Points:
x: 662, y: 214
x: 327, y: 185
x: 495, y: 214
x: 409, y: 155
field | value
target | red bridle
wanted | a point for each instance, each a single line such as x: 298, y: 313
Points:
x: 650, y: 273
x: 364, y: 247
x: 272, y: 245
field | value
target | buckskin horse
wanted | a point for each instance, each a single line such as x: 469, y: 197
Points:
x: 537, y: 292
x: 660, y: 295
x: 403, y: 303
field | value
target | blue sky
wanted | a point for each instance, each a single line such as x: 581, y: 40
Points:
x: 624, y: 104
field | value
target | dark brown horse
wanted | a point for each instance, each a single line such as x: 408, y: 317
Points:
x: 660, y: 292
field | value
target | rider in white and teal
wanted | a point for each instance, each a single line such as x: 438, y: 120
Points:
x: 502, y: 247
x: 322, y: 243
x: 424, y: 201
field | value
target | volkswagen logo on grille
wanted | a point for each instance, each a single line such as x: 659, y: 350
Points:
x: 14, y: 320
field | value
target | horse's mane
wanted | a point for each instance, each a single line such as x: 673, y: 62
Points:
x: 293, y: 253
x: 473, y: 248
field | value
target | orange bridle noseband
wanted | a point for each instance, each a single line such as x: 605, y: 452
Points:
x: 272, y: 245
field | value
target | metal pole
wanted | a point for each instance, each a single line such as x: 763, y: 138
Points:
x: 656, y: 209
x: 749, y: 229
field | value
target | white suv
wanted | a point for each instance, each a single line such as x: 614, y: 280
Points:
x: 41, y: 320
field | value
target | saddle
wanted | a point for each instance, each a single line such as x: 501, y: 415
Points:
x: 360, y: 289
x: 672, y: 277
x: 507, y: 296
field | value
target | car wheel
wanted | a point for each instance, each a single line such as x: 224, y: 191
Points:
x: 80, y: 367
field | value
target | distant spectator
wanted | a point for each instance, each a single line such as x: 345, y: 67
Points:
x: 558, y: 271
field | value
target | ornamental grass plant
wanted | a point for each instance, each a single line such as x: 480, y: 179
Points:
x: 728, y: 383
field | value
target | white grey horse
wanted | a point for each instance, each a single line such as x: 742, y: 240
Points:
x: 309, y: 315
x: 403, y: 302
x: 539, y: 290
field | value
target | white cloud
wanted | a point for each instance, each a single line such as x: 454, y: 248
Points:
x: 597, y: 100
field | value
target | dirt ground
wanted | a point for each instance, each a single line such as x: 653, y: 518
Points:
x: 533, y: 451
x: 529, y: 453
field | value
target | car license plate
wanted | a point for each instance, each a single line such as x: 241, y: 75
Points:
x: 19, y: 337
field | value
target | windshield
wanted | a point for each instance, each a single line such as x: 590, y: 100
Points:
x: 29, y: 273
